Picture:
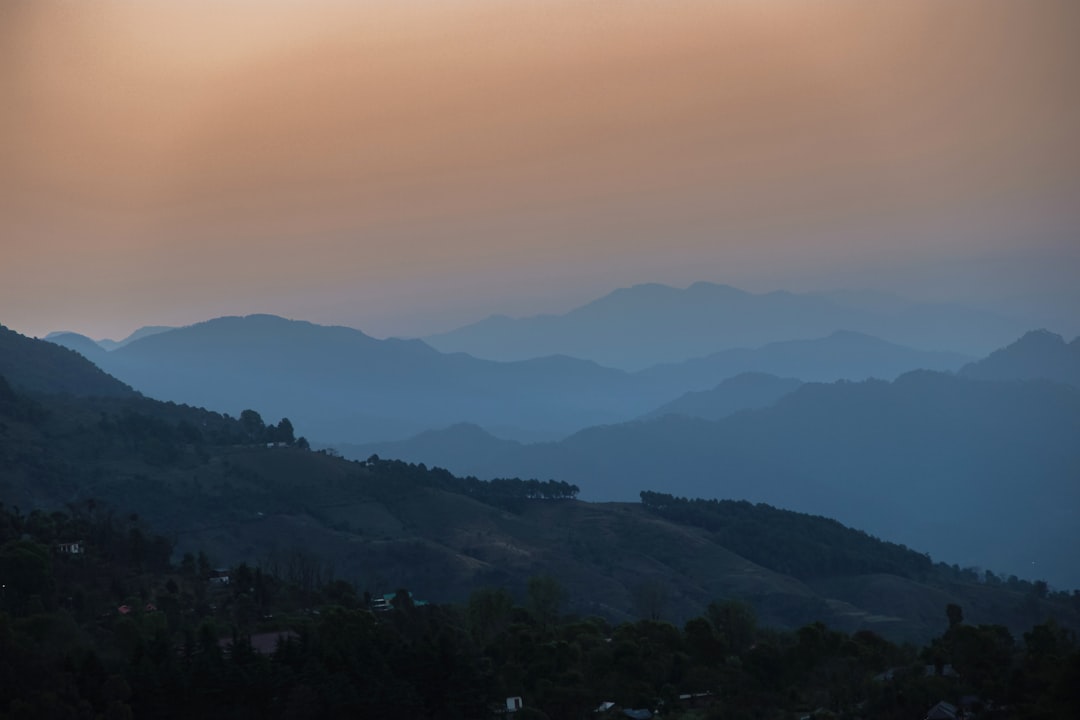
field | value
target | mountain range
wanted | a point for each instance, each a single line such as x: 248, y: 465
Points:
x: 339, y: 385
x: 637, y: 327
x: 976, y: 470
x: 201, y: 478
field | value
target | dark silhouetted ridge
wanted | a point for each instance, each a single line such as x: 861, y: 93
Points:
x: 45, y: 367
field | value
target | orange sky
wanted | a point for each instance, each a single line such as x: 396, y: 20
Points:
x: 407, y: 166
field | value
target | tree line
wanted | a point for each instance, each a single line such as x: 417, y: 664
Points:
x: 507, y: 493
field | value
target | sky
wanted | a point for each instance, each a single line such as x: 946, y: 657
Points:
x: 406, y: 167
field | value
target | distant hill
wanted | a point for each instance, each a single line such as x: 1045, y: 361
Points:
x: 747, y: 391
x: 634, y: 328
x: 979, y: 473
x: 142, y: 332
x: 338, y: 384
x: 842, y: 355
x: 1039, y: 354
x: 461, y: 441
x: 462, y: 445
x: 200, y: 478
x: 342, y: 386
x: 42, y: 367
x: 79, y: 343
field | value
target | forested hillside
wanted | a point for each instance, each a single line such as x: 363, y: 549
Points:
x: 108, y: 626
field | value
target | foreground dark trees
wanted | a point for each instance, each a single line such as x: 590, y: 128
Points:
x: 115, y: 631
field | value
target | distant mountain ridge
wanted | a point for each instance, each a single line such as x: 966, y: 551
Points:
x: 748, y: 391
x: 1039, y: 354
x: 634, y: 328
x: 340, y: 385
x: 145, y: 331
x: 842, y: 355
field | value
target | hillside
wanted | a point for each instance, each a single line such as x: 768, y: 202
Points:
x: 976, y: 473
x: 644, y: 325
x: 44, y: 367
x: 179, y: 640
x: 748, y: 391
x: 211, y: 483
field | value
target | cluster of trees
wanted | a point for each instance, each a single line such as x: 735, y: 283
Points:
x: 146, y: 639
x: 166, y: 438
x: 507, y: 493
x: 98, y: 429
x: 36, y: 575
x: 257, y: 431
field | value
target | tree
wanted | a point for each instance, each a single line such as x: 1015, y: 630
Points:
x: 650, y: 599
x: 402, y: 600
x: 26, y: 570
x: 282, y: 433
x: 955, y: 613
x: 545, y: 598
x: 735, y: 622
x: 702, y: 643
x: 253, y: 425
x: 982, y: 655
x: 489, y: 612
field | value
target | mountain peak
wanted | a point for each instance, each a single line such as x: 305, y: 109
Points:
x: 1041, y: 338
x: 1038, y: 354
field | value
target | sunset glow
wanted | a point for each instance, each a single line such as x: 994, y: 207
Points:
x: 405, y: 167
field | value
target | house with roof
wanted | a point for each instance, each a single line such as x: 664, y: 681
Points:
x: 70, y: 548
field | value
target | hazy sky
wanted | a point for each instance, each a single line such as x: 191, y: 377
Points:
x: 407, y: 166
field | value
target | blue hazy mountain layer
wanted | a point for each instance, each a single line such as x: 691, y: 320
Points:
x: 748, y: 391
x: 337, y: 384
x: 634, y: 328
x: 1039, y: 354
